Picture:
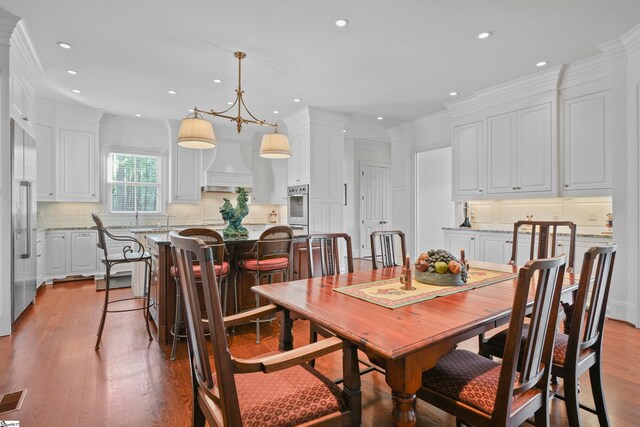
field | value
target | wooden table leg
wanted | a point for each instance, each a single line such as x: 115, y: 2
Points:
x: 286, y: 334
x: 404, y: 376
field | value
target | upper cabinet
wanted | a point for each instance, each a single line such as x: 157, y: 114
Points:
x: 519, y: 152
x: 269, y: 180
x: 77, y: 166
x: 22, y: 103
x: 468, y: 164
x: 45, y: 143
x: 185, y: 175
x: 586, y: 136
x: 300, y: 160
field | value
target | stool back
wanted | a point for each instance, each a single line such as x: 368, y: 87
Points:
x: 275, y: 242
x: 132, y: 252
x: 211, y: 238
x: 544, y: 240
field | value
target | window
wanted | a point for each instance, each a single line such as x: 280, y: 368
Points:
x: 134, y: 183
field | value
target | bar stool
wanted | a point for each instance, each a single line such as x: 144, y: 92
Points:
x: 130, y: 253
x: 214, y: 240
x: 269, y: 256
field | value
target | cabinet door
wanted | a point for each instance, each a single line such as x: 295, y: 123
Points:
x: 300, y: 161
x: 501, y: 145
x: 29, y: 107
x: 17, y: 98
x: 261, y: 178
x: 185, y: 175
x: 278, y: 181
x: 460, y: 240
x: 40, y: 258
x: 46, y: 163
x: 467, y: 161
x: 83, y: 251
x: 534, y: 149
x: 77, y: 166
x: 495, y: 249
x: 56, y: 254
x: 587, y: 143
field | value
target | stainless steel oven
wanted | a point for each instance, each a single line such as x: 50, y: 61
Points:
x: 298, y: 204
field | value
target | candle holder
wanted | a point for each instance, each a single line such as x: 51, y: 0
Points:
x: 406, y: 278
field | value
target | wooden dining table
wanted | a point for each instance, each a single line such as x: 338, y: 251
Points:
x: 406, y: 341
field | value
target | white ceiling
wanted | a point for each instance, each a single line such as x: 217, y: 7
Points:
x: 398, y: 59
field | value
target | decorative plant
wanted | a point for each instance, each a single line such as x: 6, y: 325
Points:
x: 233, y: 216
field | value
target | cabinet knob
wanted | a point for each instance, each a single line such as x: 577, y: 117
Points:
x: 25, y: 119
x: 51, y: 194
x: 513, y: 188
x: 480, y: 190
x: 566, y: 186
x: 473, y: 238
x: 93, y: 195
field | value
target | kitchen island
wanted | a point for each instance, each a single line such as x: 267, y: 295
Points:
x: 163, y: 287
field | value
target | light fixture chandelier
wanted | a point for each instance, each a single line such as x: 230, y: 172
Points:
x: 196, y: 132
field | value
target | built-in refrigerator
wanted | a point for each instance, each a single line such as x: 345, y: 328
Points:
x: 23, y: 219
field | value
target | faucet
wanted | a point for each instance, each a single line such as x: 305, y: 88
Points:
x: 136, y: 217
x: 167, y: 215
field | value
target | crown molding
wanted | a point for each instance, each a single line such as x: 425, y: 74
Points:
x: 23, y: 52
x: 298, y: 122
x: 588, y: 70
x: 421, y: 122
x: 631, y: 39
x: 74, y: 113
x: 8, y: 23
x: 371, y: 145
x: 329, y: 118
x: 133, y: 121
x: 614, y: 49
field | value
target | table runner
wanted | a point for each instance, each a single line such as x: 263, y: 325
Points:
x: 389, y: 293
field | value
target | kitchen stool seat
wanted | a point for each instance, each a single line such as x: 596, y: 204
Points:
x: 131, y: 253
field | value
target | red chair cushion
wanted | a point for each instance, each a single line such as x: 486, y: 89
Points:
x: 467, y: 377
x: 221, y: 270
x: 286, y: 398
x: 265, y: 264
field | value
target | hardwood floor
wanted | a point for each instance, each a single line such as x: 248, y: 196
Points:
x: 131, y: 382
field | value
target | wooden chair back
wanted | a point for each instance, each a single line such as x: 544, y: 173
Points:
x: 544, y: 240
x: 211, y: 238
x: 545, y: 276
x: 383, y: 247
x: 327, y: 246
x: 222, y: 392
x: 588, y: 319
x: 275, y: 242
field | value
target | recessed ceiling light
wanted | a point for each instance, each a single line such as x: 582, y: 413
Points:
x: 454, y: 93
x: 341, y: 23
x: 344, y: 131
x: 64, y: 45
x: 75, y: 91
x: 296, y: 99
x: 380, y: 117
x: 541, y: 64
x: 73, y: 72
x: 172, y: 92
x: 138, y: 115
x: 276, y: 112
x: 217, y: 81
x: 484, y: 35
x: 229, y: 102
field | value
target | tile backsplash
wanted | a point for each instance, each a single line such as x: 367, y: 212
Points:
x: 64, y: 215
x: 589, y: 213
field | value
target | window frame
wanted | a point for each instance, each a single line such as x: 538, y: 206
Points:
x: 108, y: 182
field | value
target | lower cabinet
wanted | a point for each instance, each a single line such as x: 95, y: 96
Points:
x: 83, y: 251
x: 497, y: 246
x: 40, y: 258
x: 56, y: 253
x: 71, y: 253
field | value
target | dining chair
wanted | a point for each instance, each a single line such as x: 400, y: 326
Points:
x: 275, y: 390
x: 269, y: 256
x: 213, y: 239
x: 581, y: 350
x: 134, y: 251
x: 481, y: 392
x: 383, y: 248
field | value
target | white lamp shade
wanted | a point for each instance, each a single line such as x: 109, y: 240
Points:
x: 197, y: 133
x: 275, y: 146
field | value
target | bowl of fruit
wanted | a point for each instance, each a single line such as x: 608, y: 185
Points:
x: 439, y: 267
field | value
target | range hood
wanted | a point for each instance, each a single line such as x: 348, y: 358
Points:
x: 227, y: 170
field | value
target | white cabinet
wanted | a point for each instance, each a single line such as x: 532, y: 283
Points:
x: 22, y: 103
x: 587, y: 144
x: 456, y: 240
x: 519, y: 152
x: 83, y: 251
x: 77, y: 166
x: 46, y: 163
x: 56, y: 253
x: 261, y: 172
x: 300, y: 161
x: 269, y: 180
x: 185, y: 175
x: 468, y: 164
x: 278, y: 181
x: 40, y: 258
x: 495, y: 248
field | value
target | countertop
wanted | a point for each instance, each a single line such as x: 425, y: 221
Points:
x: 484, y: 230
x: 154, y: 228
x: 163, y: 238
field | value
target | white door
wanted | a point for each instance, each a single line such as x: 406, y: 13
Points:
x: 375, y: 204
x: 434, y: 207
